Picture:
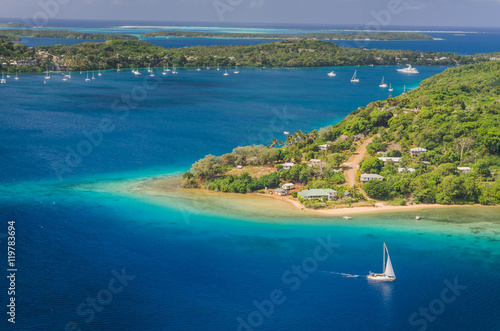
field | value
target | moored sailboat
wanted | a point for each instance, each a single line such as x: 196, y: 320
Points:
x: 354, y: 79
x: 382, y: 84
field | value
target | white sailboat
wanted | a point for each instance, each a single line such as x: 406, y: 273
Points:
x: 164, y: 71
x: 218, y: 68
x: 17, y: 78
x: 118, y: 69
x: 99, y: 74
x: 47, y: 76
x: 354, y: 79
x: 174, y: 71
x: 225, y: 73
x: 3, y: 80
x: 168, y: 69
x: 93, y: 75
x: 8, y: 73
x: 382, y: 84
x: 388, y: 274
x: 236, y: 70
x: 332, y: 74
x: 390, y: 88
x: 149, y: 67
x: 136, y: 72
x: 198, y: 69
x: 88, y: 79
x: 152, y: 74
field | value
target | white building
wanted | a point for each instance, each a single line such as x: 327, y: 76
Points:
x: 367, y: 177
x: 323, y: 147
x: 416, y: 151
x: 288, y: 186
x: 288, y: 165
x: 464, y: 170
x: 393, y: 159
x: 315, y: 162
x: 327, y: 194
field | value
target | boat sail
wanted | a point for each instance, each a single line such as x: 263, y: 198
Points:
x: 382, y: 84
x: 354, y: 79
x: 388, y: 274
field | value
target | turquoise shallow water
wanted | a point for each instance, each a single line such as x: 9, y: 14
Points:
x: 196, y: 271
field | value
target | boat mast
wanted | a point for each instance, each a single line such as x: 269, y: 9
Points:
x: 383, y: 268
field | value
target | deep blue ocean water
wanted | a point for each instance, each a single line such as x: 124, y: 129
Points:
x: 203, y: 272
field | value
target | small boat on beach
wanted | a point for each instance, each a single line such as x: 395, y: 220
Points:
x: 388, y: 272
x: 347, y: 217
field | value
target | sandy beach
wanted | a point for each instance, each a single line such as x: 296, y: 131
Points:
x: 167, y: 190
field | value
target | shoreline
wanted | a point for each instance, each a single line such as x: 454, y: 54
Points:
x: 164, y: 190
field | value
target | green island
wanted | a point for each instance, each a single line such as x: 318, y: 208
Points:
x: 140, y: 54
x: 17, y: 34
x: 437, y: 144
x: 319, y: 35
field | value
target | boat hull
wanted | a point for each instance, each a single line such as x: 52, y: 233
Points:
x: 380, y: 278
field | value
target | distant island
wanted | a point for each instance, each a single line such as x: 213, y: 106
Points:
x: 16, y: 34
x: 308, y: 36
x: 140, y: 54
x: 437, y: 144
x: 14, y: 25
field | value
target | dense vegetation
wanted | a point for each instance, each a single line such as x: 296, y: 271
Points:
x: 455, y: 115
x: 16, y: 34
x: 320, y: 36
x: 290, y: 53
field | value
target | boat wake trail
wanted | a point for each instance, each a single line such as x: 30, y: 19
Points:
x: 342, y: 274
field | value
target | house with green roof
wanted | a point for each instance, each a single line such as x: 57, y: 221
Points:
x: 323, y: 194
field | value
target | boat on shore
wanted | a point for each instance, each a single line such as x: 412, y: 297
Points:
x: 388, y: 272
